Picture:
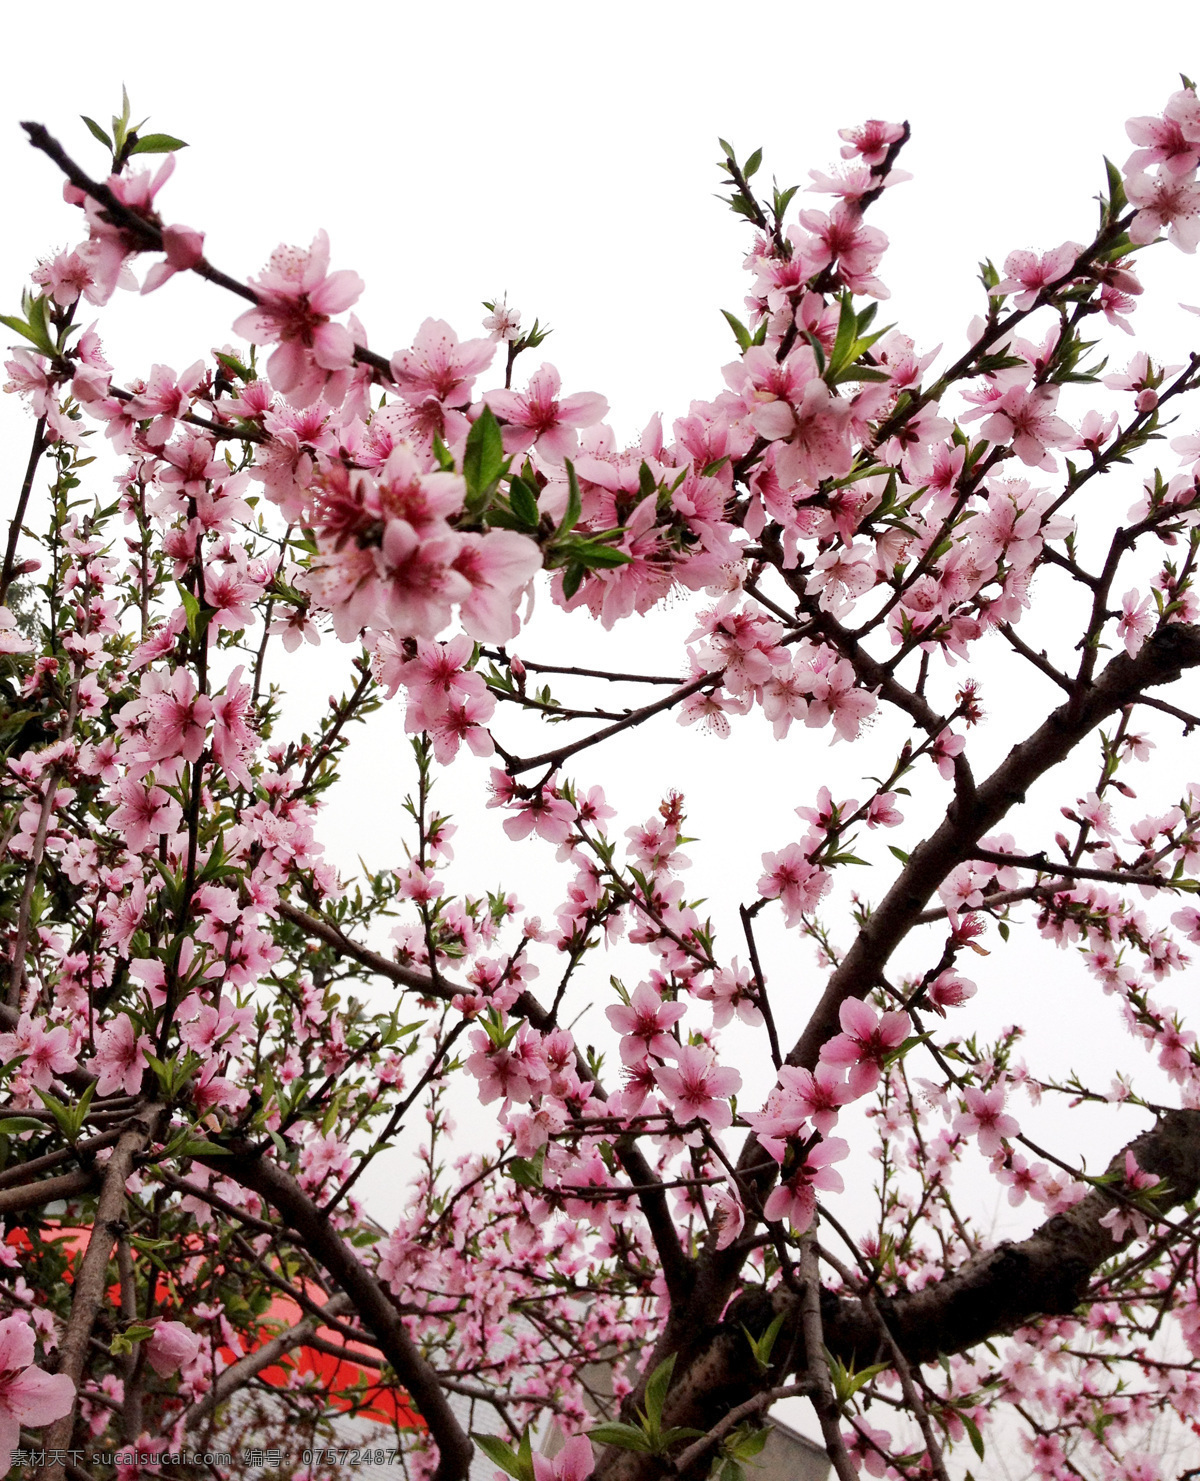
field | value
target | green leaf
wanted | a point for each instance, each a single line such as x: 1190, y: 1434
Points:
x: 1116, y: 188
x: 672, y: 1436
x: 595, y: 556
x: 752, y: 164
x: 656, y: 1390
x: 523, y: 502
x: 761, y: 1346
x: 899, y: 853
x: 34, y: 331
x: 740, y: 332
x: 202, y: 1149
x: 483, y: 459
x: 646, y: 484
x: 70, y: 1119
x: 123, y: 1342
x: 574, y: 502
x: 847, y: 334
x: 527, y: 1171
x: 972, y: 1430
x: 96, y: 131
x: 745, y: 1443
x: 443, y: 455
x: 502, y: 1455
x: 11, y: 1125
x: 156, y: 144
x: 624, y: 1436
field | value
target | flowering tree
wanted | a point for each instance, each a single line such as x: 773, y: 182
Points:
x: 208, y: 1036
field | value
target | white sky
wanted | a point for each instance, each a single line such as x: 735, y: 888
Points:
x: 566, y: 155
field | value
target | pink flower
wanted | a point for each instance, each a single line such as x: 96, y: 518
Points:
x: 171, y: 1346
x: 514, y: 1069
x: 645, y: 1024
x: 574, y: 1462
x: 503, y: 322
x: 1169, y: 203
x: 108, y: 248
x: 728, y: 1215
x: 165, y: 398
x: 120, y: 1057
x: 47, y: 1051
x: 731, y: 991
x: 1026, y: 419
x: 842, y: 237
x: 27, y: 1394
x: 463, y: 721
x: 142, y: 814
x: 499, y: 566
x: 548, y: 816
x: 536, y: 418
x: 870, y: 141
x: 323, y: 1157
x: 796, y: 1199
x: 818, y: 440
x: 178, y: 720
x: 1164, y: 141
x: 184, y: 248
x: 1023, y: 1180
x: 864, y: 1444
x: 798, y: 1097
x: 949, y: 990
x: 232, y: 737
x: 697, y: 1086
x: 419, y: 584
x: 945, y: 747
x: 64, y: 277
x: 882, y: 811
x: 1137, y: 620
x: 866, y: 1042
x: 439, y: 366
x: 1122, y: 1218
x: 296, y: 296
x: 834, y: 696
x: 1029, y: 273
x: 985, y: 1118
x: 791, y: 879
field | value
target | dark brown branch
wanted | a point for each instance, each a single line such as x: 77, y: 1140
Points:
x: 372, y: 1305
x: 1161, y: 661
x: 91, y: 1280
x: 552, y: 759
x: 23, y: 1172
x: 1190, y: 721
x: 148, y: 234
x: 241, y: 1372
x: 48, y: 1190
x: 677, y: 1267
x: 325, y: 930
x: 14, y: 529
x: 1043, y: 865
x: 991, y: 1295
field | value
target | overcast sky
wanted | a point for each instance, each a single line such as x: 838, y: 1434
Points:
x: 566, y: 155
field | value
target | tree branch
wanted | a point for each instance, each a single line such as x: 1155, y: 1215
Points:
x: 91, y: 1281
x: 47, y: 1190
x: 373, y: 1306
x: 253, y: 1363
